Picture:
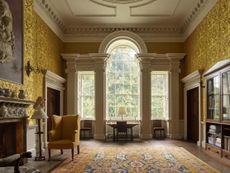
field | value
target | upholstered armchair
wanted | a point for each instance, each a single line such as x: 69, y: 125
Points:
x: 65, y: 133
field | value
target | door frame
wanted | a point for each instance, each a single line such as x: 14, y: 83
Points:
x: 191, y: 81
x: 56, y: 82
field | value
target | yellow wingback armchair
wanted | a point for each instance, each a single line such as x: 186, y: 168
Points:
x: 65, y: 133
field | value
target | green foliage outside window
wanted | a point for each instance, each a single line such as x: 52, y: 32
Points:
x: 123, y: 83
x: 159, y: 95
x: 86, y: 95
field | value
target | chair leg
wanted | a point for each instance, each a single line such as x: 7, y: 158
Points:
x: 78, y: 149
x: 72, y: 153
x: 61, y: 151
x: 49, y: 154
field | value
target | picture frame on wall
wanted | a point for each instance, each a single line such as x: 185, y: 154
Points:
x: 11, y: 41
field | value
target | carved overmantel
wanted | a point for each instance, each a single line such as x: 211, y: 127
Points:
x: 12, y: 109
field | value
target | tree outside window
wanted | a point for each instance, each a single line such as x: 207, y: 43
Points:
x: 86, y: 94
x: 159, y: 95
x: 123, y: 83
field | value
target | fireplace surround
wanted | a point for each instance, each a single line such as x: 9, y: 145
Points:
x: 13, y: 125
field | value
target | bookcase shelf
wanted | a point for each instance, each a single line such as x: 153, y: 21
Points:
x: 218, y: 110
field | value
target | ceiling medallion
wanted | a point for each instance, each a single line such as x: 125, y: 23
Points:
x: 122, y: 1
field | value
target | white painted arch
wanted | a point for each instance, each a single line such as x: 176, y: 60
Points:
x: 123, y: 35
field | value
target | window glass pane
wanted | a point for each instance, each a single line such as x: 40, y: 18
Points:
x: 159, y: 95
x: 86, y: 94
x: 122, y: 74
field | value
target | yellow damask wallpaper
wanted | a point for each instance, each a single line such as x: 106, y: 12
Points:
x: 209, y: 43
x: 42, y: 48
x: 156, y: 47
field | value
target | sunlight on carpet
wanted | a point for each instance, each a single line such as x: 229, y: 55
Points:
x: 134, y: 159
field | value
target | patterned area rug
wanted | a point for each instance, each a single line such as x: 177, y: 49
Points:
x: 135, y: 160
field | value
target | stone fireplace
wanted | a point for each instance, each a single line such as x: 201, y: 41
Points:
x: 13, y: 126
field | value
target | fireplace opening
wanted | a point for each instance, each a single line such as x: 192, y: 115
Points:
x: 11, y: 138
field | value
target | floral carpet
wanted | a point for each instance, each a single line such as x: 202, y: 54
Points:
x: 134, y: 160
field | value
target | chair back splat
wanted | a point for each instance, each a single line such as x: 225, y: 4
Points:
x: 122, y: 130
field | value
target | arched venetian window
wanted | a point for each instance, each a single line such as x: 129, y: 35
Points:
x: 123, y: 81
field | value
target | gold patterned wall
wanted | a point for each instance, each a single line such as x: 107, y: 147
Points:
x: 209, y: 43
x: 93, y: 47
x: 42, y: 48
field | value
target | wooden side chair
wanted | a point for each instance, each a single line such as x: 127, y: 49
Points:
x: 121, y: 129
x: 65, y: 133
x: 158, y: 130
x: 86, y: 129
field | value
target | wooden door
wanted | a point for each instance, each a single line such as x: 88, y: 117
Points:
x: 53, y: 105
x: 193, y: 115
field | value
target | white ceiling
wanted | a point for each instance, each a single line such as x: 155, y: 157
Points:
x: 154, y: 20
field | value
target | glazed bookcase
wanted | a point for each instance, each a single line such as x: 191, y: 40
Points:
x: 218, y: 110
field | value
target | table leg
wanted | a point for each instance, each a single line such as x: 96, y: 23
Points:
x: 113, y: 134
x: 131, y: 134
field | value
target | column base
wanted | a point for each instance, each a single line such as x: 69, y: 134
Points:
x: 99, y: 136
x: 146, y: 136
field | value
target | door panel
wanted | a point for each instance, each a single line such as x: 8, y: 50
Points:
x: 193, y: 115
x: 53, y: 105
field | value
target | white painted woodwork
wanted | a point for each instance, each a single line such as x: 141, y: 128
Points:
x: 148, y: 62
x: 153, y: 20
x: 192, y: 81
x: 56, y: 82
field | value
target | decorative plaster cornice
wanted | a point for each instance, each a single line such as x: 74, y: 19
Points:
x: 196, y: 16
x: 122, y: 1
x: 112, y: 28
x: 95, y: 33
x: 53, y: 22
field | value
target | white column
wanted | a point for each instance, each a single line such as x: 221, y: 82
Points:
x: 71, y: 82
x: 100, y: 91
x: 146, y: 125
x: 174, y: 123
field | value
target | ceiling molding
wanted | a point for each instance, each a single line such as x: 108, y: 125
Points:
x: 115, y: 27
x: 143, y: 4
x: 196, y: 17
x: 122, y: 1
x: 112, y: 7
x: 95, y: 33
x: 48, y: 19
x: 133, y: 7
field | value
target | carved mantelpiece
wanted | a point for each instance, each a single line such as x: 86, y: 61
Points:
x: 12, y: 108
x: 13, y: 125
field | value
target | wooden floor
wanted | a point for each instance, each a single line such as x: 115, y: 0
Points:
x: 57, y: 158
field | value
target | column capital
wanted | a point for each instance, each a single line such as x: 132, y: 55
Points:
x: 71, y: 67
x: 175, y: 56
x: 100, y: 61
x: 145, y: 61
x: 70, y: 57
x: 175, y: 67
